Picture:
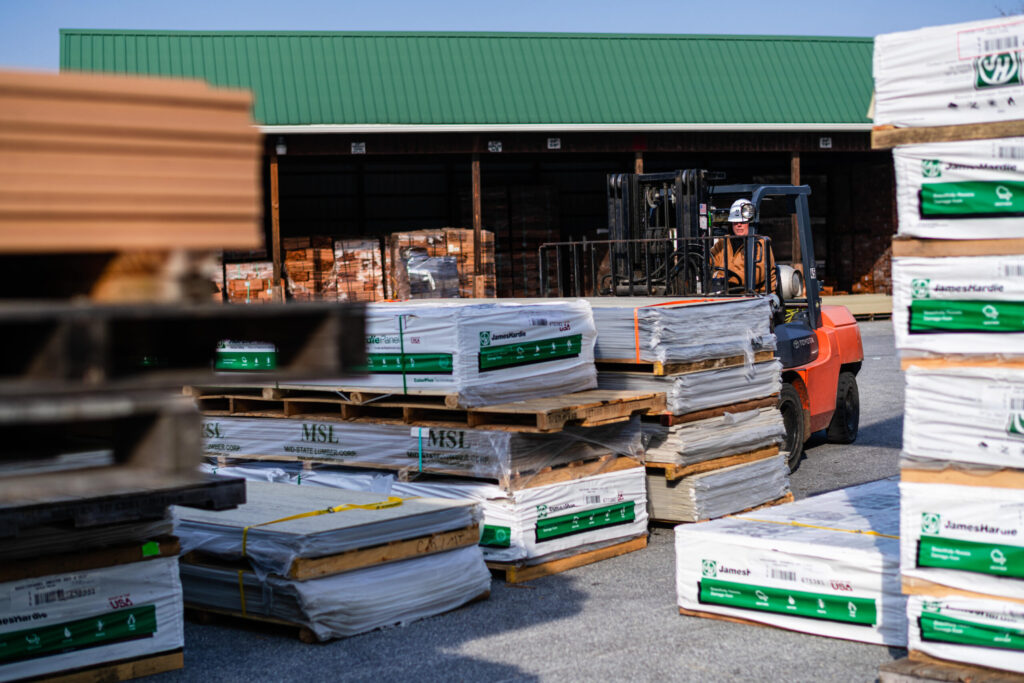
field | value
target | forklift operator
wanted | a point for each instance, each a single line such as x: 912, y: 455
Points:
x: 731, y: 273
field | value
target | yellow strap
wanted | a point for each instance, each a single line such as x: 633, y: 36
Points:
x: 812, y: 526
x: 391, y: 502
x: 241, y: 590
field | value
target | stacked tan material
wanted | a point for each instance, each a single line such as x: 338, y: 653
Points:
x: 309, y: 268
x: 439, y: 264
x: 358, y: 270
x: 250, y: 283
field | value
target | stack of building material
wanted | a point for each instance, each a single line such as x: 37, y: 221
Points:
x: 309, y: 268
x: 249, y: 283
x: 440, y: 264
x: 715, y: 451
x: 376, y: 561
x: 827, y: 565
x: 358, y: 270
x: 957, y: 302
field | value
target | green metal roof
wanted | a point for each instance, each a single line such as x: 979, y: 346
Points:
x: 497, y: 79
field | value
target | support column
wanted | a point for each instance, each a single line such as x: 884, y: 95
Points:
x: 794, y: 178
x: 275, y: 226
x: 477, y: 227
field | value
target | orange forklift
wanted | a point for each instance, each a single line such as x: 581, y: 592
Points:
x: 674, y: 235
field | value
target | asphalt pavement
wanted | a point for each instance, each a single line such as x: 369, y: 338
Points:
x: 613, y: 620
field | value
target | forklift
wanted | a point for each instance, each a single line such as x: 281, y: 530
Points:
x: 669, y: 235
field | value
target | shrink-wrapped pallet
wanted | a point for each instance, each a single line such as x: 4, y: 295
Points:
x: 706, y: 389
x: 827, y: 565
x: 714, y: 437
x: 961, y: 190
x: 309, y: 268
x: 486, y: 353
x: 964, y: 537
x: 440, y: 264
x: 987, y: 633
x: 249, y: 283
x: 487, y: 454
x: 949, y: 75
x: 959, y: 305
x: 644, y: 329
x: 358, y: 270
x: 86, y: 618
x: 965, y: 414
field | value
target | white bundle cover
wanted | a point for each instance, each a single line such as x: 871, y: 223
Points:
x: 479, y: 453
x: 965, y: 414
x: 966, y: 537
x: 964, y: 304
x: 486, y: 352
x: 714, y: 437
x: 351, y: 603
x: 84, y: 618
x: 948, y: 75
x: 644, y: 329
x: 827, y: 565
x: 988, y: 633
x: 720, y: 492
x: 700, y: 390
x: 961, y: 190
x: 294, y: 473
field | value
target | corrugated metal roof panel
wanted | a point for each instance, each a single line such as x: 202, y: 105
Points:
x: 504, y: 79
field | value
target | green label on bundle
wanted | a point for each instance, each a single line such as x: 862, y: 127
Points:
x: 972, y: 199
x: 971, y: 556
x: 783, y: 601
x: 496, y: 536
x: 246, y: 360
x: 418, y: 363
x: 103, y: 629
x: 930, y: 315
x: 945, y: 629
x: 564, y: 525
x: 527, y: 353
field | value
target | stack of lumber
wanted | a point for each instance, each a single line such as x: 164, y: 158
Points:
x: 358, y: 270
x: 715, y: 450
x: 957, y: 299
x: 440, y: 264
x: 827, y: 565
x: 249, y: 283
x: 309, y: 268
x: 376, y: 561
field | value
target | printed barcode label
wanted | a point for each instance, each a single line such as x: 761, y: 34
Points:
x: 1013, y: 269
x: 1010, y: 152
x: 61, y: 595
x: 1017, y: 404
x: 539, y: 322
x: 782, y: 574
x: 593, y: 500
x: 1000, y: 44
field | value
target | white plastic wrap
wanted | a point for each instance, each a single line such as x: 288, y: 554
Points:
x: 84, y: 618
x: 700, y: 390
x: 969, y: 305
x: 717, y: 493
x: 714, y: 437
x: 481, y: 453
x: 988, y: 633
x: 351, y: 603
x: 965, y: 537
x: 272, y: 545
x: 961, y: 190
x: 965, y: 414
x: 295, y: 473
x: 949, y: 75
x: 646, y: 329
x: 827, y: 565
x: 486, y: 352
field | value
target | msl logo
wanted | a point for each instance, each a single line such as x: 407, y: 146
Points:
x: 211, y: 430
x: 931, y: 522
x: 921, y: 288
x: 318, y: 433
x: 931, y: 168
x: 997, y: 71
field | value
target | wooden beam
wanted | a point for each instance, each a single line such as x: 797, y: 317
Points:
x: 477, y: 219
x: 275, y: 220
x: 638, y: 162
x: 794, y: 178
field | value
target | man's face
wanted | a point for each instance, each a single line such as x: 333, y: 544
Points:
x: 740, y: 229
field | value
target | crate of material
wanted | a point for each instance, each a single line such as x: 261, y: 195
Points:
x: 249, y: 283
x: 712, y: 439
x: 309, y: 268
x: 358, y: 270
x: 440, y: 264
x: 827, y: 565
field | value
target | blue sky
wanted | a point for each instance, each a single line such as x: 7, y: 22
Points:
x: 28, y: 28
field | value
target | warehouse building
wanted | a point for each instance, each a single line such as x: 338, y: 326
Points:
x: 369, y: 133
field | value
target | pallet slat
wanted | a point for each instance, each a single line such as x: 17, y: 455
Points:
x: 515, y: 573
x: 660, y: 369
x: 674, y: 471
x: 885, y: 137
x: 718, y: 411
x: 123, y: 670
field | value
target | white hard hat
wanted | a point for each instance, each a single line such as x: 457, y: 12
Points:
x: 742, y: 211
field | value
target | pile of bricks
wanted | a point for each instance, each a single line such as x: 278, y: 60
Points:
x: 358, y: 270
x: 249, y: 282
x: 309, y: 268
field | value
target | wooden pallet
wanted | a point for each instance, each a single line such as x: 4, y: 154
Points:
x: 966, y: 476
x: 915, y: 586
x: 918, y: 667
x: 520, y: 573
x: 84, y: 560
x: 661, y: 369
x: 885, y: 137
x: 673, y: 471
x: 540, y: 415
x: 914, y: 247
x: 959, y: 361
x: 307, y: 568
x: 787, y: 498
x: 668, y: 420
x: 123, y: 670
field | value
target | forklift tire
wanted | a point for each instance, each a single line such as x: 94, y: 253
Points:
x: 792, y: 410
x: 846, y: 419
